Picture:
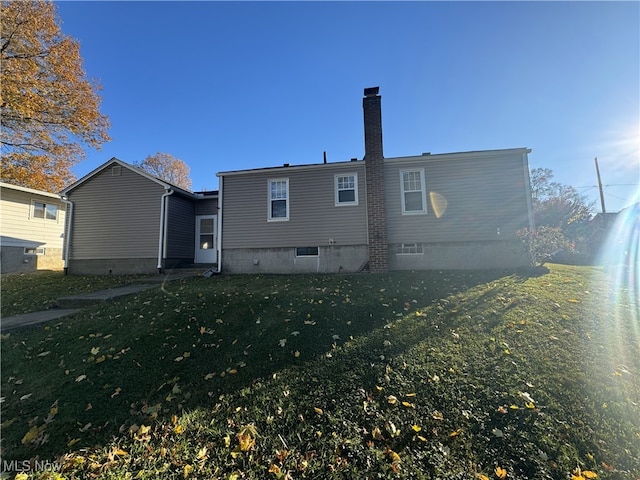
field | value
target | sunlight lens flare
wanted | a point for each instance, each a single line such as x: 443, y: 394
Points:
x: 620, y: 255
x: 438, y: 203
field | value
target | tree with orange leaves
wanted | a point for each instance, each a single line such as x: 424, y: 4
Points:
x: 49, y: 108
x: 168, y: 168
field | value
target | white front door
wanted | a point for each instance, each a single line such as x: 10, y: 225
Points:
x: 206, y: 226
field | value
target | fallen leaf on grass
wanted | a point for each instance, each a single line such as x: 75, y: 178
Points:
x: 95, y: 350
x: 500, y: 472
x: 32, y: 434
x: 81, y: 378
x: 44, y: 354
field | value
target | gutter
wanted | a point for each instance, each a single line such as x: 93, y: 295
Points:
x: 219, y: 236
x: 67, y: 235
x: 162, y: 237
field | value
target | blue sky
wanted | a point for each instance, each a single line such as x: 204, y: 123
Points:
x: 236, y: 85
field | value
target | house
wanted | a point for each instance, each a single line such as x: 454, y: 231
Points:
x: 32, y: 226
x: 429, y: 211
x: 122, y: 220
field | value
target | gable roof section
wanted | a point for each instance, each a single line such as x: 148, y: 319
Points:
x: 139, y: 171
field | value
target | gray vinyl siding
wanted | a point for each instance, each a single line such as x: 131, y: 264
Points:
x: 115, y: 216
x: 207, y: 206
x: 181, y: 227
x: 313, y: 217
x: 485, y: 198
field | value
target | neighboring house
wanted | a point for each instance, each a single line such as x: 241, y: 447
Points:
x: 615, y: 237
x: 31, y: 228
x: 123, y: 220
x: 444, y: 211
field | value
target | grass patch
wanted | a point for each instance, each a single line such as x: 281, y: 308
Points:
x: 31, y: 292
x: 412, y: 375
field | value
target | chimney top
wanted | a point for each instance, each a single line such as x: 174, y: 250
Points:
x: 371, y: 92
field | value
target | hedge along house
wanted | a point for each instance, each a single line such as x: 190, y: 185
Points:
x: 444, y: 211
x: 122, y: 220
x: 32, y: 226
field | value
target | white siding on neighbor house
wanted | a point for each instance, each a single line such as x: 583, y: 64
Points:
x: 314, y: 218
x: 115, y: 216
x: 473, y: 196
x: 18, y: 222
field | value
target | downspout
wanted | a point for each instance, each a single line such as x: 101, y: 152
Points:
x: 219, y: 236
x: 527, y: 183
x: 67, y: 236
x: 162, y: 238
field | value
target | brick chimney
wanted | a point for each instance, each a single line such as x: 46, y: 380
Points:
x: 374, y: 164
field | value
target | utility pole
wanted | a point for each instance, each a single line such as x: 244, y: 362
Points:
x: 604, y: 210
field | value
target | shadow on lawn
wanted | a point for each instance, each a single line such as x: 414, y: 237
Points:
x: 80, y: 382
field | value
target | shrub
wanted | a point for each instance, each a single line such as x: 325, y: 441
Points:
x: 543, y: 244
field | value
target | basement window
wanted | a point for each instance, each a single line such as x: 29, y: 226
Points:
x: 306, y: 251
x: 34, y: 251
x: 409, y: 249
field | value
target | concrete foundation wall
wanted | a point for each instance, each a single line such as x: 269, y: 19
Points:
x: 331, y: 259
x: 13, y: 259
x: 460, y: 256
x: 110, y: 266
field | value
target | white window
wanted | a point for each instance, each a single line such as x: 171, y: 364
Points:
x: 346, y: 187
x: 414, y: 199
x: 46, y: 211
x: 409, y: 249
x: 34, y: 251
x: 278, y: 200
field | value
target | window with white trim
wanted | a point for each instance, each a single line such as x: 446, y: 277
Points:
x: 46, y: 211
x: 409, y: 249
x: 412, y: 187
x: 34, y: 251
x: 346, y: 187
x: 307, y: 251
x: 278, y: 199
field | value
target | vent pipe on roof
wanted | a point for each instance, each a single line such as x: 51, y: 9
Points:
x: 325, y: 156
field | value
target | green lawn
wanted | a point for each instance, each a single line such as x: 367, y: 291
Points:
x: 31, y: 292
x: 452, y: 375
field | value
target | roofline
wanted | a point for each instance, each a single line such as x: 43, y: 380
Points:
x: 130, y: 167
x: 311, y: 166
x: 29, y: 190
x: 470, y: 153
x: 434, y: 156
